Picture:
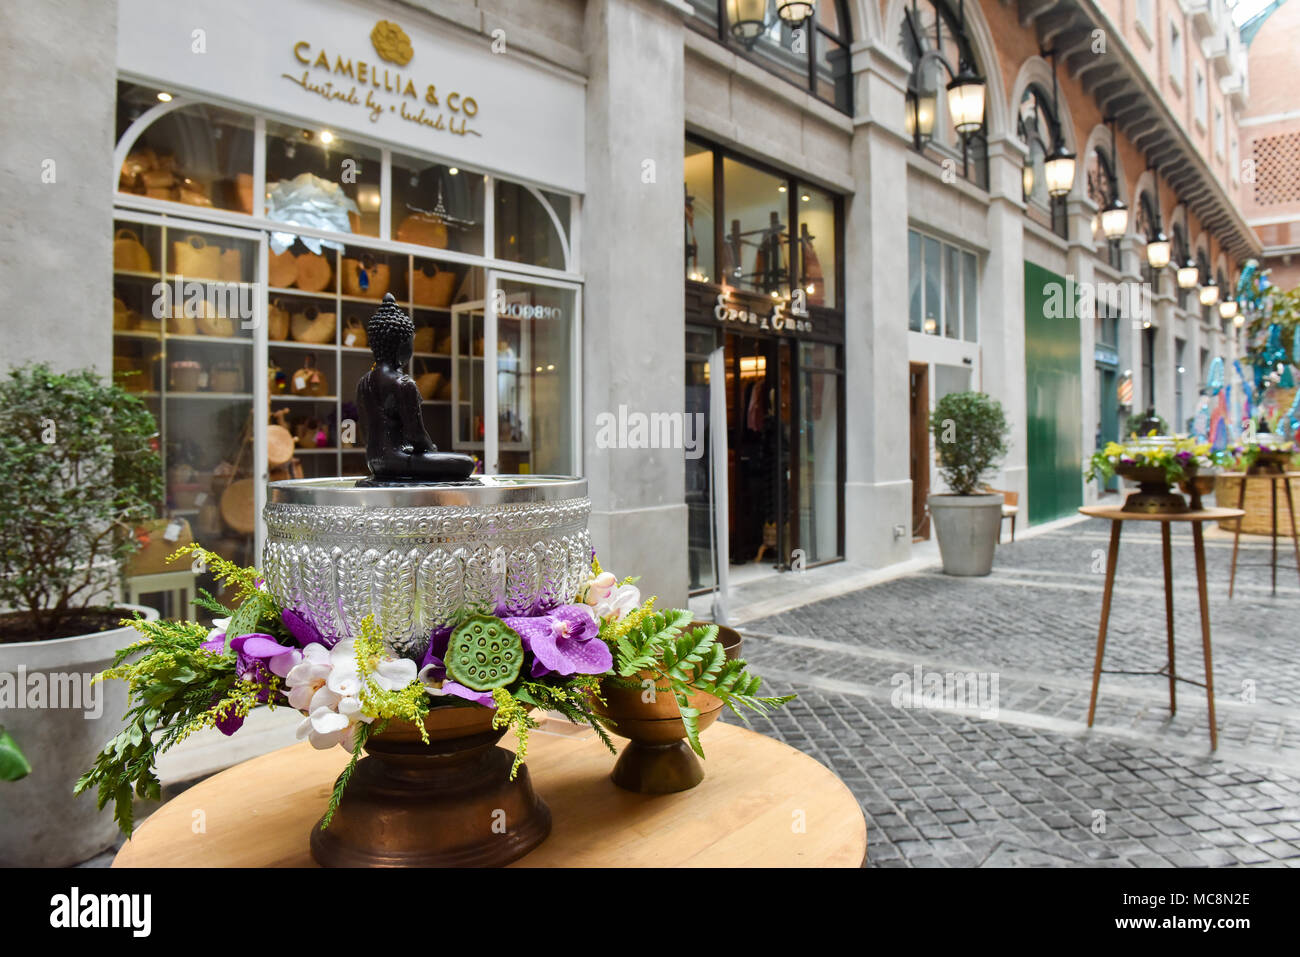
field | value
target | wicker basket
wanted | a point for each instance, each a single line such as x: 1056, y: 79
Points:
x: 1258, y: 519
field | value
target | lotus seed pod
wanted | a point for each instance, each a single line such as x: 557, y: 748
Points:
x: 484, y: 653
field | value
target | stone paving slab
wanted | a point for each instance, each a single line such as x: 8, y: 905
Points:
x: 1029, y: 784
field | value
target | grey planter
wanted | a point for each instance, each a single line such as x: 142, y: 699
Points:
x: 42, y: 824
x: 967, y: 527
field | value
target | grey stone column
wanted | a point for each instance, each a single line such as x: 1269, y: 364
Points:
x: 57, y: 125
x: 1079, y: 264
x: 878, y: 486
x: 634, y: 352
x: 1002, y: 309
x: 1166, y: 356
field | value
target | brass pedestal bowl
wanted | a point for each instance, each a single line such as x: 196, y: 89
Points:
x: 657, y: 759
x: 448, y: 803
x: 1154, y: 496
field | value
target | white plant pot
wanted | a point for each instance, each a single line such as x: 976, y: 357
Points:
x: 42, y: 823
x: 967, y: 527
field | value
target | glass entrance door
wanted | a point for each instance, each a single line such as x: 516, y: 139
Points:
x: 532, y: 371
x: 762, y: 522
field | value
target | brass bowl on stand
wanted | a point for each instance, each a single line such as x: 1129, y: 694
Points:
x: 657, y: 759
x: 448, y: 803
x: 1154, y: 496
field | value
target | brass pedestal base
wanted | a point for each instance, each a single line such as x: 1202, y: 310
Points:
x: 450, y: 803
x: 657, y: 768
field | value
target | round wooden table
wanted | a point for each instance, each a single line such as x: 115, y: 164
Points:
x: 761, y: 804
x: 1117, y: 517
x: 1273, y: 477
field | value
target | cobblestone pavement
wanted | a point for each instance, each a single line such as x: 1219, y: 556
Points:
x: 1025, y: 782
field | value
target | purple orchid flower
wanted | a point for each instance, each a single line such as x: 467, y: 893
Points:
x: 304, y: 632
x: 257, y: 658
x: 565, y: 641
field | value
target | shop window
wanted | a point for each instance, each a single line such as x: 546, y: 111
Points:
x: 756, y: 246
x: 936, y: 25
x: 943, y: 284
x: 915, y: 293
x: 436, y: 205
x: 531, y: 225
x: 197, y: 154
x: 316, y: 179
x: 817, y: 246
x: 698, y: 167
x: 813, y: 54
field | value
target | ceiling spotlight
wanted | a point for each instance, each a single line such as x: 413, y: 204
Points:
x: 164, y: 97
x: 326, y: 137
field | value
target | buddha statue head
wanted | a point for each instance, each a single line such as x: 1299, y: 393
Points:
x: 390, y: 333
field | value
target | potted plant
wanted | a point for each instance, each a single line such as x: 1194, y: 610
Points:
x: 80, y: 470
x: 970, y: 434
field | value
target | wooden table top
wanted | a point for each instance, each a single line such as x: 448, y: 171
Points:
x: 761, y: 804
x: 1275, y: 476
x: 1117, y: 513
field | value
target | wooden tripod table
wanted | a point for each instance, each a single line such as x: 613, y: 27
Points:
x: 761, y: 804
x: 1273, y: 477
x: 1117, y: 517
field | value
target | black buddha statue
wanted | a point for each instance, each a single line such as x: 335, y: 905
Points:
x: 398, y: 448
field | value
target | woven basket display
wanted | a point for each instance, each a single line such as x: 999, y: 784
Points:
x: 1258, y: 519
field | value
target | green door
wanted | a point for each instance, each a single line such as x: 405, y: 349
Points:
x: 1054, y: 395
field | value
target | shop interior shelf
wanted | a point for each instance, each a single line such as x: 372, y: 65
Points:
x: 227, y: 396
x: 282, y: 291
x: 138, y: 334
x: 292, y: 344
x: 172, y: 277
x: 318, y: 451
x: 278, y: 397
x: 432, y: 355
x: 133, y: 274
x: 370, y: 300
x: 207, y: 340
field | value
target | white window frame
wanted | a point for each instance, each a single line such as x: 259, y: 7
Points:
x: 1145, y: 22
x: 1177, y: 56
x: 1200, y: 97
x: 940, y: 313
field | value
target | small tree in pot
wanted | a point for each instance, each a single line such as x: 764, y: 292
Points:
x: 970, y: 434
x: 80, y: 471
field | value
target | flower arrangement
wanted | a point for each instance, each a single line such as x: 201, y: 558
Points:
x: 1179, y: 459
x: 185, y: 677
x: 1245, y: 454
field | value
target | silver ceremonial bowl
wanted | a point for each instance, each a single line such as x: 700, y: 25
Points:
x: 416, y: 557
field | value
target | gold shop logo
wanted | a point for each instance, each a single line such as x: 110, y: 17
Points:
x: 377, y: 90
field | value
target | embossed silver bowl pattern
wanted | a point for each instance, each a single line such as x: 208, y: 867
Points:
x: 416, y: 557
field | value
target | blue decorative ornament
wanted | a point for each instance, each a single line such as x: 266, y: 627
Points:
x: 1214, y: 381
x: 1273, y: 360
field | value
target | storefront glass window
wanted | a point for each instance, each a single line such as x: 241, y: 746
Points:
x: 970, y: 298
x: 529, y: 228
x: 914, y: 291
x: 197, y: 154
x: 819, y: 518
x: 756, y: 250
x: 817, y: 252
x: 943, y: 289
x: 933, y: 286
x: 437, y: 205
x: 535, y: 378
x: 699, y: 213
x: 314, y: 178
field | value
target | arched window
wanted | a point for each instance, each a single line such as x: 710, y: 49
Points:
x: 935, y: 25
x: 813, y: 54
x: 1101, y: 189
x: 1039, y: 129
x: 1180, y: 252
x: 1144, y: 224
x: 1203, y: 264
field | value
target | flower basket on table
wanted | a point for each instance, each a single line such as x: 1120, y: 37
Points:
x: 1157, y: 463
